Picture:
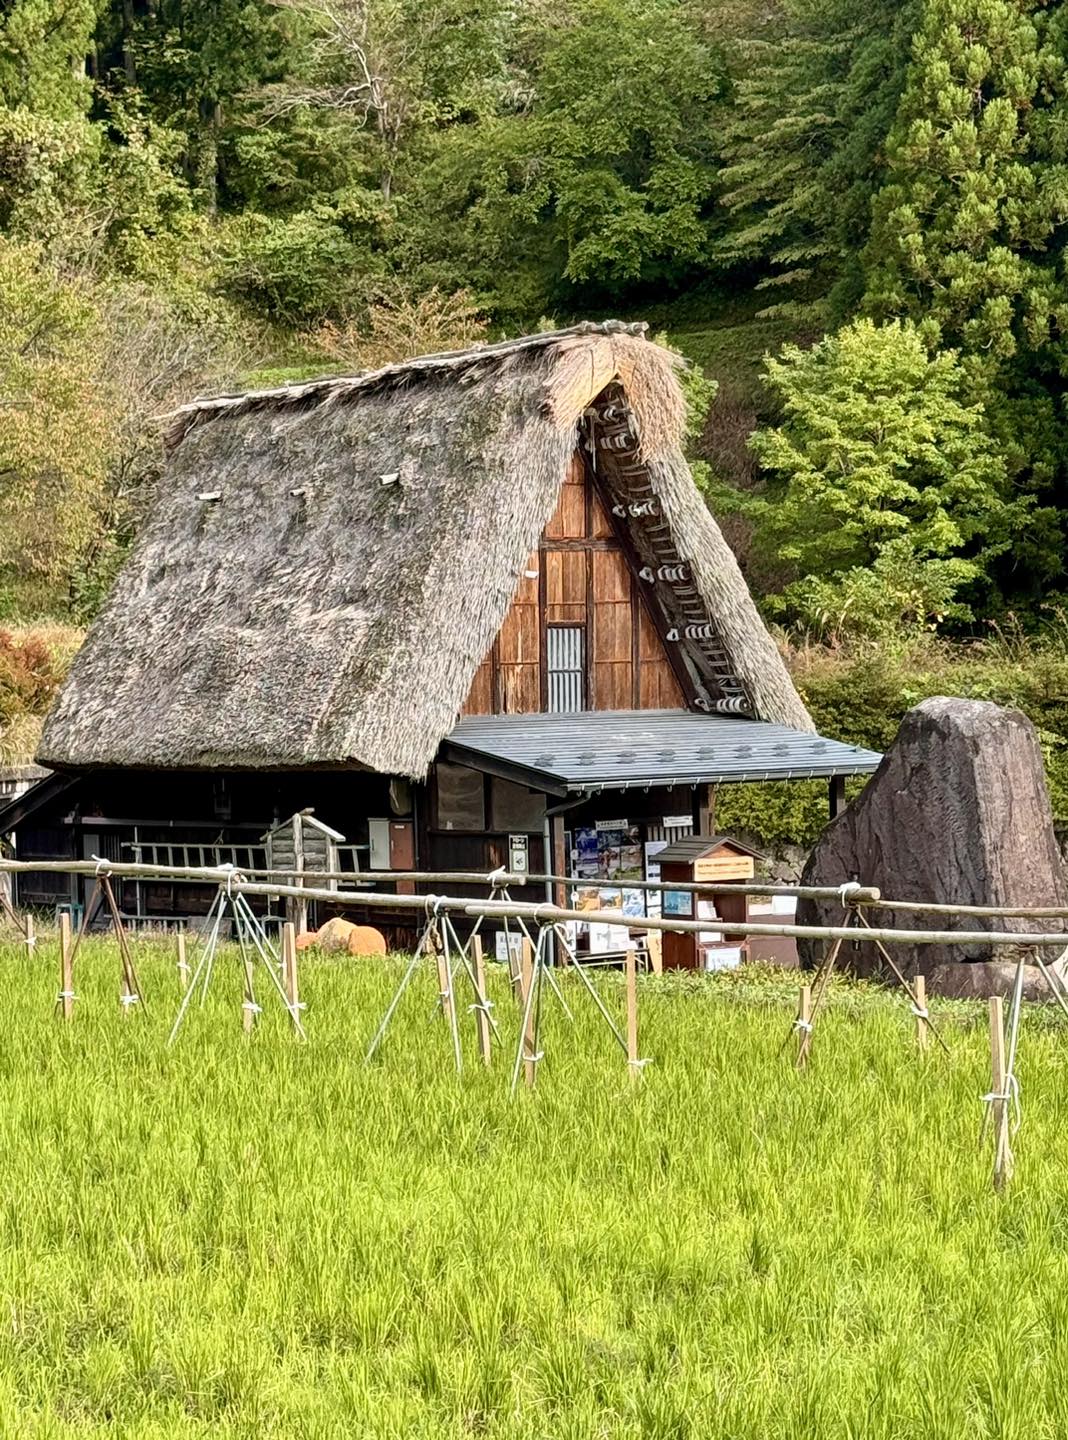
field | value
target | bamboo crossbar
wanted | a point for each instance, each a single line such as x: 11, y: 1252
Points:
x: 544, y: 913
x: 554, y: 914
x: 212, y: 874
x: 855, y: 894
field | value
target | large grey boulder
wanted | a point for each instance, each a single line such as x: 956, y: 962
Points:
x: 957, y: 812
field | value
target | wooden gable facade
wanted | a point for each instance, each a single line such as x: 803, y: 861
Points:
x: 580, y: 633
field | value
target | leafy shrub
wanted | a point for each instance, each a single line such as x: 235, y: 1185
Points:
x: 862, y: 699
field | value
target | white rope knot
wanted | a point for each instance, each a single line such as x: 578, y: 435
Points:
x: 920, y: 1012
x: 66, y: 995
x: 805, y: 1025
x: 485, y: 1006
x: 640, y: 1064
x: 103, y: 867
x: 495, y: 877
x: 432, y: 906
x: 231, y: 871
x: 129, y: 999
x: 533, y: 1059
x: 1009, y: 1096
x: 252, y: 1007
x: 849, y: 888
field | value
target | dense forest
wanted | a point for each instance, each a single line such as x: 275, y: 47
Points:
x: 851, y: 218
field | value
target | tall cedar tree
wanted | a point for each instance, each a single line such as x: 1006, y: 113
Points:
x: 804, y: 148
x: 968, y: 234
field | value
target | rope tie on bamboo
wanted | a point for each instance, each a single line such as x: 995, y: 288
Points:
x: 849, y: 888
x: 533, y: 1059
x: 129, y: 998
x: 103, y: 867
x: 485, y: 1006
x: 433, y: 906
x: 231, y: 871
x: 495, y: 877
x: 640, y: 1064
x: 805, y: 1025
x: 1009, y: 1096
x: 921, y: 1012
x: 252, y: 1007
x: 66, y: 995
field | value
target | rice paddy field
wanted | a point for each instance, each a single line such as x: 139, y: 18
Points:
x: 248, y: 1237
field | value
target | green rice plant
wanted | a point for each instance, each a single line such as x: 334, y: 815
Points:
x: 246, y: 1236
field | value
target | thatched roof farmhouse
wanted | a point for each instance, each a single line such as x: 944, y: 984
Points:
x: 493, y: 562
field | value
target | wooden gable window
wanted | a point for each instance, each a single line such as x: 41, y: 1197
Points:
x: 565, y: 666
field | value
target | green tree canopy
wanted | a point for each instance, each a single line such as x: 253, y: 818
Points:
x: 879, y: 453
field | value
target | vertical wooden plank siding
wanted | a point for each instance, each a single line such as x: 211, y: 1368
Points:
x: 579, y: 576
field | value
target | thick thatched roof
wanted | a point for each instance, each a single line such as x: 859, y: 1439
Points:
x: 324, y: 566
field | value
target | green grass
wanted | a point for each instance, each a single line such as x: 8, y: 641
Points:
x: 259, y: 1238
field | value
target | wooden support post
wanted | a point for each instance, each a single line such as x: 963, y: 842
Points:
x: 656, y: 952
x: 804, y: 1026
x: 919, y: 991
x: 999, y: 1099
x: 289, y: 966
x: 249, y: 1008
x: 298, y: 849
x: 66, y: 968
x: 482, y: 1024
x: 526, y: 980
x: 836, y: 795
x: 633, y: 1063
x: 183, y: 964
x: 31, y: 936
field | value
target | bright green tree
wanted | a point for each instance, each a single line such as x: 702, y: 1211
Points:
x: 596, y: 174
x: 881, y: 471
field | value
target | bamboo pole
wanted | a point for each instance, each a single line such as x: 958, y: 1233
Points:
x: 183, y: 964
x: 544, y: 913
x: 919, y: 991
x: 804, y: 1026
x: 631, y: 970
x: 289, y: 967
x: 999, y: 1099
x: 482, y: 1025
x: 656, y: 952
x: 66, y: 968
x: 31, y: 935
x: 526, y: 980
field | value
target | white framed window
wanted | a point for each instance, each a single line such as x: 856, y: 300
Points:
x: 566, y: 667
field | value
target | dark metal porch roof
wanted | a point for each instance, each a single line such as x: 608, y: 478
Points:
x: 619, y: 749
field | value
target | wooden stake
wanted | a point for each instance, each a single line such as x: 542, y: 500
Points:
x: 289, y: 966
x: 656, y: 952
x: 482, y: 1024
x: 526, y: 979
x: 999, y: 1101
x: 804, y: 1026
x: 448, y: 999
x: 31, y: 936
x: 633, y: 1063
x: 919, y: 990
x: 183, y: 964
x: 248, y: 1005
x: 66, y: 968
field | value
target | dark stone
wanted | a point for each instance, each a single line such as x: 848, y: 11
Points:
x: 957, y: 813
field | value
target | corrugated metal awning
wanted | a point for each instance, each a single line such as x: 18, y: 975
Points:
x: 614, y: 750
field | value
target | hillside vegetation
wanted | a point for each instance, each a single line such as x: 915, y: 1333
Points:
x: 853, y: 224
